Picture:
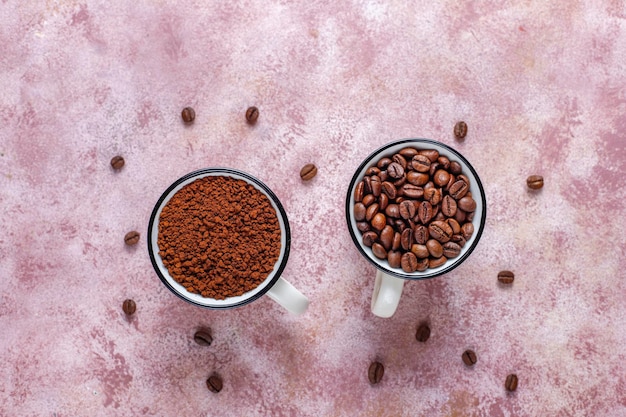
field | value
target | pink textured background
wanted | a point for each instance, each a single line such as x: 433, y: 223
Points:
x: 542, y: 88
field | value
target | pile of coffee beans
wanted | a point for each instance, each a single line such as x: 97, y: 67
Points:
x: 414, y: 209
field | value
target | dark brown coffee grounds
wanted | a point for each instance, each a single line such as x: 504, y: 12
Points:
x: 219, y: 237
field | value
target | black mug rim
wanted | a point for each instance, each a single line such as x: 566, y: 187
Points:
x: 219, y: 170
x: 387, y: 270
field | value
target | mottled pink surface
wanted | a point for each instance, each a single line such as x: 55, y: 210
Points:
x: 542, y: 88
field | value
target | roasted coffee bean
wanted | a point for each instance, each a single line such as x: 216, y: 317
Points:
x: 460, y: 215
x: 444, y: 162
x: 397, y: 240
x: 441, y: 178
x: 437, y: 262
x: 394, y: 258
x: 407, y: 209
x: 406, y: 239
x: 409, y: 262
x: 371, y: 211
x: 422, y: 264
x: 534, y: 182
x: 383, y: 176
x: 188, y: 114
x: 469, y: 217
x: 359, y: 191
x: 376, y: 185
x: 408, y: 153
x: 448, y: 206
x: 434, y: 248
x: 459, y: 240
x: 368, y: 200
x: 432, y: 195
x: 372, y: 171
x: 367, y: 188
x: 420, y: 251
x: 434, y: 167
x: 386, y: 237
x: 467, y: 230
x: 460, y: 130
x: 383, y: 163
x: 423, y: 332
x: 203, y: 337
x: 129, y: 307
x: 467, y: 204
x: 439, y: 217
x: 131, y: 238
x: 308, y: 172
x: 369, y: 238
x: 421, y: 163
x: 379, y: 251
x: 214, y: 383
x: 431, y: 154
x: 400, y: 225
x: 359, y: 212
x: 454, y: 225
x: 425, y: 212
x: 417, y: 178
x: 117, y: 162
x: 420, y: 234
x: 389, y: 189
x: 451, y: 249
x: 506, y: 277
x: 252, y: 114
x: 399, y: 159
x: 511, y: 383
x: 393, y: 210
x: 400, y: 181
x: 455, y: 168
x: 395, y: 170
x: 375, y: 372
x: 378, y: 222
x: 458, y: 189
x: 469, y: 357
x: 383, y: 202
x: 363, y: 226
x: 440, y: 231
x: 412, y: 191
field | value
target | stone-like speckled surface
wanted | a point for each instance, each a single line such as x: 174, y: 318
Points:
x: 542, y: 88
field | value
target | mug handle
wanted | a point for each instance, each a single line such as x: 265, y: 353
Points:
x: 387, y: 292
x: 288, y: 296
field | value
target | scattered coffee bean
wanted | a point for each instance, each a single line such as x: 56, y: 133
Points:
x: 308, y: 172
x: 469, y: 357
x: 117, y: 162
x: 131, y: 238
x: 460, y: 130
x: 129, y: 307
x: 188, y: 114
x: 252, y: 114
x: 423, y: 333
x: 214, y: 383
x: 203, y: 337
x: 511, y: 382
x: 534, y: 182
x: 375, y: 372
x: 506, y: 277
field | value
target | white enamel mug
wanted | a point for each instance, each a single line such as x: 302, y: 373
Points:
x: 389, y: 282
x: 274, y: 286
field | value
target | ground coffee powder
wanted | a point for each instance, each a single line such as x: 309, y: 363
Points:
x: 219, y: 237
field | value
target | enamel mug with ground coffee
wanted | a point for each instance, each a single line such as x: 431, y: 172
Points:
x: 219, y: 238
